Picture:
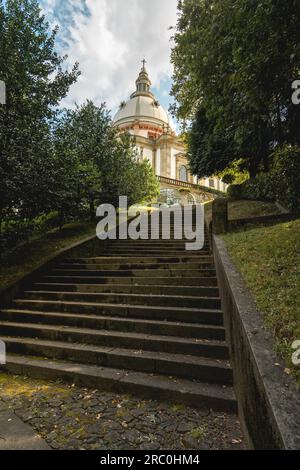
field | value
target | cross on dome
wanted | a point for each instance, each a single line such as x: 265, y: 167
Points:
x: 143, y: 82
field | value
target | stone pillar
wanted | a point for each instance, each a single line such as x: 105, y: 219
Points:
x: 220, y: 216
x: 165, y: 158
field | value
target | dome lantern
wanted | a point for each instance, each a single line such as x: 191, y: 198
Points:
x: 143, y: 83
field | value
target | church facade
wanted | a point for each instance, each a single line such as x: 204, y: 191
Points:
x: 156, y: 140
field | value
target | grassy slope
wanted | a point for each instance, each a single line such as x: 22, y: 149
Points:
x: 244, y: 209
x: 269, y: 260
x: 31, y: 254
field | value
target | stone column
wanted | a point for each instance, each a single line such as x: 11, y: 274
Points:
x: 220, y: 215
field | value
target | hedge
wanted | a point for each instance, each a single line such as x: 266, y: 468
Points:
x: 281, y: 183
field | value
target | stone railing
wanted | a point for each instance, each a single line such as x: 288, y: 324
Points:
x: 185, y: 184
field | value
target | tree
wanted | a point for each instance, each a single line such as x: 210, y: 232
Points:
x: 124, y: 175
x: 234, y: 62
x: 99, y: 165
x: 35, y: 82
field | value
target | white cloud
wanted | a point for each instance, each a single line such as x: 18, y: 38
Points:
x: 110, y: 42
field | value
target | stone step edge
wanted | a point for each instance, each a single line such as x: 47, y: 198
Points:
x: 128, y: 306
x: 129, y: 295
x: 158, y: 387
x: 129, y: 320
x: 219, y: 364
x: 113, y: 286
x: 116, y: 334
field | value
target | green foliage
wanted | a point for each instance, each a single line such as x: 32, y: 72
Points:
x: 234, y: 62
x: 287, y: 175
x: 124, y: 175
x: 53, y: 160
x: 16, y: 231
x: 271, y: 271
x: 281, y: 183
x: 235, y: 173
x: 35, y: 82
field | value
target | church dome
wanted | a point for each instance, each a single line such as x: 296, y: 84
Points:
x: 142, y: 106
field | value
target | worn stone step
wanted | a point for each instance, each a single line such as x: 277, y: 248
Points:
x: 159, y: 387
x: 113, y: 265
x: 182, y: 314
x: 113, y: 251
x: 135, y: 281
x: 150, y: 241
x: 197, y: 291
x: 125, y: 265
x: 165, y: 328
x: 176, y: 272
x: 141, y: 259
x: 152, y: 245
x: 145, y: 254
x: 134, y: 299
x: 107, y: 338
x: 204, y: 369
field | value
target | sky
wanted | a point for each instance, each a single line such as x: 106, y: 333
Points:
x: 109, y: 39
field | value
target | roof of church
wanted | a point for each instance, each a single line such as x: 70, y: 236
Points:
x: 142, y: 105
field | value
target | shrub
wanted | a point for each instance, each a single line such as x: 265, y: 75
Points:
x: 287, y: 170
x: 281, y: 183
x: 20, y: 230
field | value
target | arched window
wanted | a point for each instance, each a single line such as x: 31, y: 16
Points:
x: 183, y: 173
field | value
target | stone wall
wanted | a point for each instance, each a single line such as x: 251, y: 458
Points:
x: 269, y: 402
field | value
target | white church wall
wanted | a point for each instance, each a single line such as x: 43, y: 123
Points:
x: 173, y: 163
x: 157, y: 169
x: 148, y: 153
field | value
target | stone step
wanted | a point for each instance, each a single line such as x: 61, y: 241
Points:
x: 131, y: 299
x: 196, y: 291
x: 139, y: 251
x: 204, y: 369
x: 153, y: 245
x: 148, y: 264
x: 145, y: 254
x: 181, y: 314
x: 129, y: 266
x: 135, y: 281
x: 114, y: 339
x: 150, y: 241
x: 176, y: 272
x: 98, y: 322
x: 159, y: 387
x: 140, y: 259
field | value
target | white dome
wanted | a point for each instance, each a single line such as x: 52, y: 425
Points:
x: 142, y: 108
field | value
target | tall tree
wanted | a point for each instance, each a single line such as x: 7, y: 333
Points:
x: 36, y: 81
x: 234, y: 62
x: 99, y: 164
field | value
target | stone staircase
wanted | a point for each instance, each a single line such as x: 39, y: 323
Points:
x: 141, y: 317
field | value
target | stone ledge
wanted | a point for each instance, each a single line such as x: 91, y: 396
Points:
x: 268, y: 399
x: 16, y: 435
x: 9, y: 293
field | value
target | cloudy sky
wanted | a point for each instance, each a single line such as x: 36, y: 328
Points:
x: 109, y: 38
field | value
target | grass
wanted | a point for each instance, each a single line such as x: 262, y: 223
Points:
x: 28, y: 256
x: 269, y: 260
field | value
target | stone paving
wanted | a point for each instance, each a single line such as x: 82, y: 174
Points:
x: 70, y: 417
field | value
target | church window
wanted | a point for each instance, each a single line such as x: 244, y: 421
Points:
x: 183, y: 173
x: 211, y: 183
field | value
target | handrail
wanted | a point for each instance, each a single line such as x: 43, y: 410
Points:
x: 185, y: 184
